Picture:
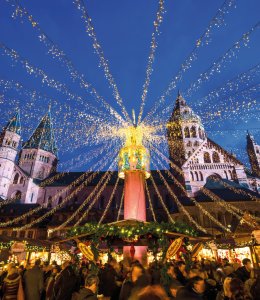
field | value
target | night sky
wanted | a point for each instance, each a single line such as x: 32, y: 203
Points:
x: 124, y: 30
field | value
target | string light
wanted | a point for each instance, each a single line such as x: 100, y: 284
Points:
x: 200, y: 207
x: 80, y: 4
x: 87, y: 180
x: 230, y: 208
x: 217, y: 21
x: 180, y: 206
x: 161, y: 200
x: 109, y: 202
x: 150, y: 202
x: 56, y: 52
x: 120, y: 206
x: 153, y: 46
x: 221, y: 62
x: 96, y: 192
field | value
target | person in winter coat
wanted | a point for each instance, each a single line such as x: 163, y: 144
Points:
x: 243, y: 273
x: 138, y: 280
x: 11, y: 283
x: 33, y: 280
x: 50, y: 283
x: 65, y: 284
x: 193, y: 290
x: 90, y: 289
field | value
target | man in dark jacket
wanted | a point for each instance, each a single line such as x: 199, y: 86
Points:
x: 193, y: 290
x: 90, y: 289
x: 108, y: 279
x: 243, y: 273
x: 65, y: 284
x: 33, y: 280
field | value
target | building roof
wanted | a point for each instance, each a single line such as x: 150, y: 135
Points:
x: 43, y: 136
x: 219, y: 188
x: 14, y: 124
x: 182, y: 112
x: 68, y: 177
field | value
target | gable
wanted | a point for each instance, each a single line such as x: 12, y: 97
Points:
x: 213, y: 153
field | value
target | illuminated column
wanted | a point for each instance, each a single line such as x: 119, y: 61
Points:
x: 134, y: 168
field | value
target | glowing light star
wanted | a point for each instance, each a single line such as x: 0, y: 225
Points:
x: 133, y: 156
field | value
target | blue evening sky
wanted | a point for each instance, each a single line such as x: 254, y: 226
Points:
x: 124, y: 30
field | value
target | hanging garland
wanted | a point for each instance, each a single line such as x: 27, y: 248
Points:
x: 105, y: 231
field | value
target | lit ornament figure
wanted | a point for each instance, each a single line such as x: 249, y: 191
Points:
x: 134, y: 168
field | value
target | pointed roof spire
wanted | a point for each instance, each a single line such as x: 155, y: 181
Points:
x: 14, y: 124
x: 43, y: 136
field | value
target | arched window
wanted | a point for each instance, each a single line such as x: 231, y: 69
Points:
x: 60, y: 200
x: 215, y: 157
x: 230, y: 174
x: 234, y: 175
x: 21, y: 180
x: 196, y: 143
x: 201, y: 176
x: 207, y: 159
x: 101, y: 202
x: 186, y: 132
x: 196, y: 175
x: 192, y: 176
x: 49, y: 202
x: 193, y: 132
x: 189, y: 144
x: 114, y: 204
x: 225, y: 173
x: 16, y: 178
x: 17, y: 196
x: 189, y: 153
x: 200, y: 133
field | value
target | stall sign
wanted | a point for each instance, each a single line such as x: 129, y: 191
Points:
x: 256, y: 234
x: 18, y: 247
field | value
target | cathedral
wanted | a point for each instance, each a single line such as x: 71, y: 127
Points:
x: 25, y: 172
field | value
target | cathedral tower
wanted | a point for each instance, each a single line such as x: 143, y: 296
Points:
x: 38, y: 157
x: 185, y: 132
x: 253, y: 151
x: 9, y: 142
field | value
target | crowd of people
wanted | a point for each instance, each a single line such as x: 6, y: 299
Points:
x: 200, y: 280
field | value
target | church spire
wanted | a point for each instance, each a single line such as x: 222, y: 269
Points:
x: 43, y: 136
x: 14, y: 124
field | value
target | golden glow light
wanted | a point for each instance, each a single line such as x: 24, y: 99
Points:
x: 133, y: 156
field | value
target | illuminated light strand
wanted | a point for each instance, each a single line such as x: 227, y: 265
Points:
x: 99, y: 187
x: 81, y: 6
x: 225, y: 58
x: 38, y: 72
x: 91, y: 205
x: 242, y: 192
x: 180, y: 206
x: 173, y: 165
x: 120, y: 206
x: 56, y: 52
x: 91, y: 156
x: 109, y: 202
x: 8, y: 201
x: 161, y: 200
x: 158, y: 21
x: 233, y: 107
x: 65, y: 200
x: 87, y: 157
x: 196, y: 203
x: 232, y: 85
x: 230, y: 208
x: 33, y: 94
x: 150, y: 201
x: 204, y: 39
